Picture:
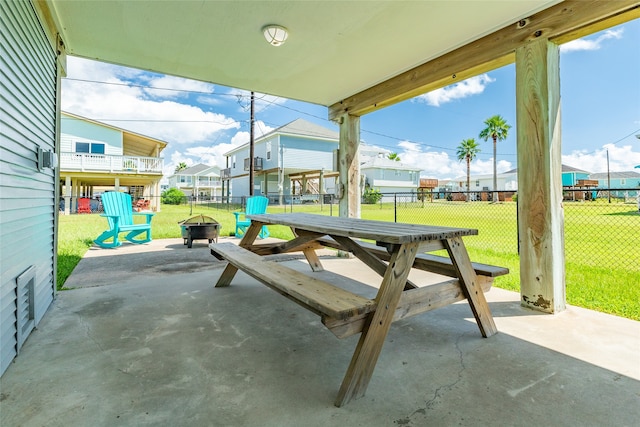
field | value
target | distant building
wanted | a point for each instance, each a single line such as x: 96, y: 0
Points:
x: 200, y: 180
x: 389, y: 176
x: 624, y: 184
x: 299, y: 159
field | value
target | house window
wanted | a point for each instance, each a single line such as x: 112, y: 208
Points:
x: 477, y: 183
x: 268, y: 150
x: 398, y: 173
x: 623, y: 181
x: 86, y: 147
x: 233, y: 161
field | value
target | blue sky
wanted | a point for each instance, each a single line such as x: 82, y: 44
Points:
x: 600, y: 89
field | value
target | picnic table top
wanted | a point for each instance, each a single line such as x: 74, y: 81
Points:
x: 380, y: 231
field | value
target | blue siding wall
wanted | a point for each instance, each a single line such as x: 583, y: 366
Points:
x: 27, y: 194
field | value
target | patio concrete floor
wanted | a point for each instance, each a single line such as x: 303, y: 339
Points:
x: 145, y: 339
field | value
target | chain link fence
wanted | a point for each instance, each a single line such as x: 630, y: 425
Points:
x: 600, y: 229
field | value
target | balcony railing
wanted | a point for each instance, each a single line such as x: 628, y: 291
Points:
x: 85, y: 162
x: 257, y: 163
x: 225, y: 173
x: 209, y: 182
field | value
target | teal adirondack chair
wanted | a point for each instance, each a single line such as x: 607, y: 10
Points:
x: 119, y: 212
x: 255, y: 205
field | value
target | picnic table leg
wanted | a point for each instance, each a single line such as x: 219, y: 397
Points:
x: 471, y: 287
x: 375, y: 331
x: 247, y: 240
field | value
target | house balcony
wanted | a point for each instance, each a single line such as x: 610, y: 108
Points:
x: 85, y: 162
x: 257, y: 163
x: 225, y: 173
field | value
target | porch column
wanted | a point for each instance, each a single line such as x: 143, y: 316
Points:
x: 155, y: 196
x: 116, y: 184
x: 321, y: 190
x: 540, y: 211
x: 67, y: 195
x: 349, y: 166
x: 75, y: 191
x: 266, y: 184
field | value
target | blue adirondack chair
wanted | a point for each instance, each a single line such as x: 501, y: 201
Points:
x: 119, y: 212
x: 255, y: 205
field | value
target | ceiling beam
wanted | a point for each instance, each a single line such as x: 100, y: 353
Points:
x: 560, y: 23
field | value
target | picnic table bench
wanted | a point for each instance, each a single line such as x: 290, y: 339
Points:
x: 398, y: 248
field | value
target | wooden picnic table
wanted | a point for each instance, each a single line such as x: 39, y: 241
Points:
x: 398, y: 248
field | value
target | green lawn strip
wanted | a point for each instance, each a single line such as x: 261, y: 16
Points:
x: 595, y: 235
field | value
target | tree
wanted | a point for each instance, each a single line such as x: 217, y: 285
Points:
x: 496, y: 129
x: 468, y: 150
x: 181, y: 166
x: 371, y: 196
x: 394, y: 156
x: 172, y: 196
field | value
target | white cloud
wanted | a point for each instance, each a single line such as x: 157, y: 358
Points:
x: 242, y: 137
x: 442, y: 165
x: 174, y: 87
x: 621, y: 159
x: 591, y: 44
x: 130, y: 109
x: 472, y: 86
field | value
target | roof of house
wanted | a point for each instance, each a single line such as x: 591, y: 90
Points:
x: 385, y: 163
x: 615, y: 175
x: 161, y: 143
x: 304, y: 128
x: 565, y: 168
x: 193, y: 170
x: 298, y: 127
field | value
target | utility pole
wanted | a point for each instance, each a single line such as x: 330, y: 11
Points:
x: 251, y: 143
x: 608, y: 177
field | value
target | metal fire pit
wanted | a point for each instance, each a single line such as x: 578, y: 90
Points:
x: 198, y: 228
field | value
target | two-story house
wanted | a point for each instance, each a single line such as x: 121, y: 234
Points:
x: 295, y: 159
x: 388, y: 176
x: 96, y: 157
x: 200, y: 180
x: 300, y: 159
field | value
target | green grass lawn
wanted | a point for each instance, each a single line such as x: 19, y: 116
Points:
x: 602, y: 255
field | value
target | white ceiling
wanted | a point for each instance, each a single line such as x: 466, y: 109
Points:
x: 335, y: 48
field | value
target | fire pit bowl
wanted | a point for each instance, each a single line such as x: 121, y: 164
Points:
x: 198, y: 228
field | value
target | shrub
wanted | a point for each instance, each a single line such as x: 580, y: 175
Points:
x: 172, y: 196
x: 514, y: 198
x: 371, y: 196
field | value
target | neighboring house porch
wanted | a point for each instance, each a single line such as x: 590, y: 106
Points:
x: 96, y: 157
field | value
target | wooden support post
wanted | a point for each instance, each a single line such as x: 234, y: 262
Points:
x: 540, y: 211
x: 349, y: 166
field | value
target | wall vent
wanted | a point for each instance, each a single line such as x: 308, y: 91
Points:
x: 26, y: 303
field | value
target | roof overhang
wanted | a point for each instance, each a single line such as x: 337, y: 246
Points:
x: 352, y: 57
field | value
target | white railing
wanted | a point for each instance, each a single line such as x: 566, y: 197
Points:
x: 209, y: 182
x: 85, y: 162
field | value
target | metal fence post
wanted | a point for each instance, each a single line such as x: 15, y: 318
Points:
x: 395, y: 207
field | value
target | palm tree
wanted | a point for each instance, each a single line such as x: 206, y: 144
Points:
x: 181, y: 166
x: 497, y: 129
x: 394, y: 156
x: 468, y: 150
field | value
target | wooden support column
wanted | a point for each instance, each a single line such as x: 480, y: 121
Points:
x: 349, y: 166
x: 540, y: 211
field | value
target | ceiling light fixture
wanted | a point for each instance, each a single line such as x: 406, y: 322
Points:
x: 275, y: 34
